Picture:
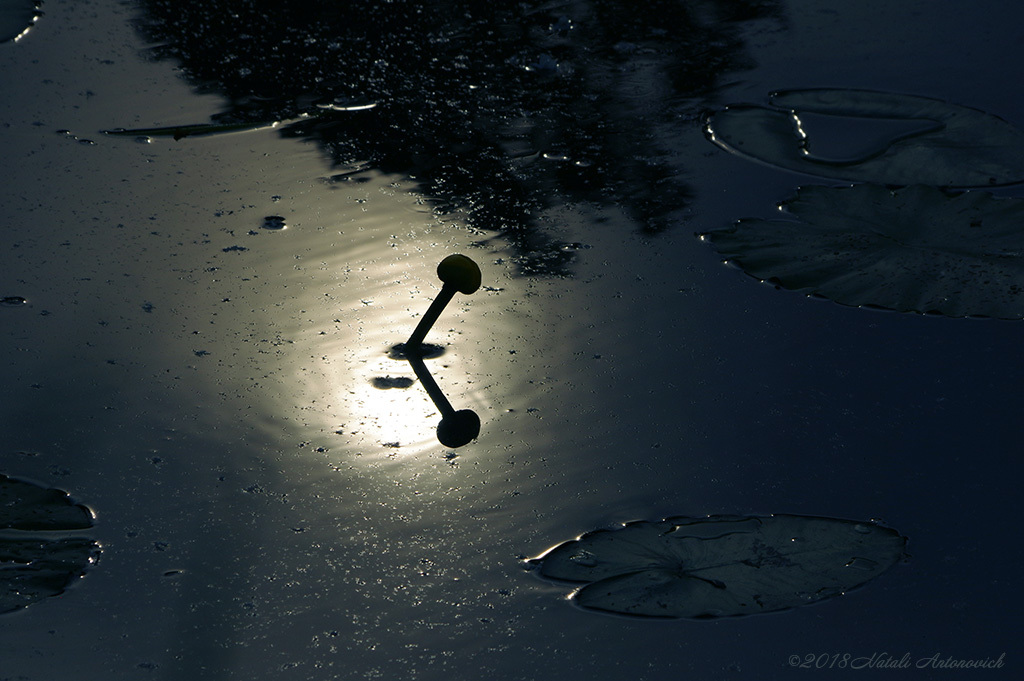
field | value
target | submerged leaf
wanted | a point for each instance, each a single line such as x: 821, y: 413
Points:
x: 34, y: 567
x: 721, y: 566
x: 957, y: 147
x: 915, y: 249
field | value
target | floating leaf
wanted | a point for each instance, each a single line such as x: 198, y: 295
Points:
x: 206, y: 129
x: 958, y: 146
x: 33, y: 567
x: 721, y: 566
x: 198, y: 130
x: 915, y: 249
x: 16, y: 18
x: 26, y: 506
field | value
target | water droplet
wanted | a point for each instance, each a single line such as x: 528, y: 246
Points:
x: 545, y: 64
x: 12, y: 301
x: 426, y: 351
x: 550, y: 156
x: 562, y: 26
x: 274, y: 222
x: 863, y: 529
x: 574, y: 246
x: 347, y: 105
x: 387, y: 382
x: 862, y: 564
x: 143, y: 139
x: 584, y: 559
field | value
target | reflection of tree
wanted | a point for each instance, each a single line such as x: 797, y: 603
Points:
x: 497, y: 109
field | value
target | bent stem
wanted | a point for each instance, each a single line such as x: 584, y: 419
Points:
x: 429, y: 317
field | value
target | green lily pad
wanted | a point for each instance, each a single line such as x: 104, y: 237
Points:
x: 721, y: 566
x: 915, y: 249
x: 955, y: 147
x: 16, y: 17
x: 34, y: 566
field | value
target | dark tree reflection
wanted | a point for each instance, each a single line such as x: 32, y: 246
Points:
x: 497, y: 109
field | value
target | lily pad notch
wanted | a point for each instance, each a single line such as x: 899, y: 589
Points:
x: 956, y: 146
x: 720, y: 566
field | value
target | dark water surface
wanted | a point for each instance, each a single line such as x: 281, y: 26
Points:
x: 270, y: 495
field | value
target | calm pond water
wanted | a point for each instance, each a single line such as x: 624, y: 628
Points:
x: 270, y: 495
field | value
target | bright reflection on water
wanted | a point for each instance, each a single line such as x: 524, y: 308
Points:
x: 352, y: 276
x: 368, y: 284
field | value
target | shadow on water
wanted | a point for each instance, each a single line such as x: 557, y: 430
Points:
x: 496, y: 110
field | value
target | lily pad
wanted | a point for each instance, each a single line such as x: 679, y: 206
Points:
x: 956, y: 147
x: 915, y: 249
x: 32, y: 566
x: 17, y: 17
x: 721, y: 566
